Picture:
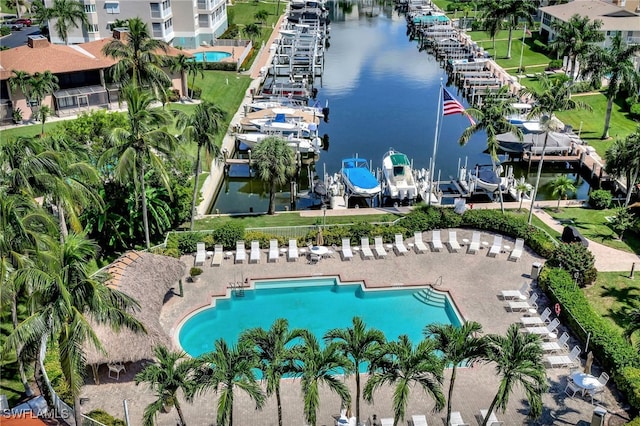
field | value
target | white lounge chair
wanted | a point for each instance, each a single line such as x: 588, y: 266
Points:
x: 419, y: 420
x: 556, y: 361
x: 496, y: 247
x: 545, y: 330
x: 521, y: 294
x: 254, y: 256
x: 218, y: 255
x: 293, y: 250
x: 436, y: 242
x: 523, y: 306
x: 517, y: 250
x: 274, y: 251
x: 493, y: 420
x: 475, y: 243
x: 419, y: 245
x: 454, y: 246
x: 241, y: 252
x: 378, y: 247
x: 456, y: 419
x: 365, y: 249
x: 558, y: 346
x: 201, y: 255
x: 399, y: 245
x: 537, y: 321
x: 347, y: 253
x: 386, y: 422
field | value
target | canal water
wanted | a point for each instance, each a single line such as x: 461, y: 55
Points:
x: 382, y: 93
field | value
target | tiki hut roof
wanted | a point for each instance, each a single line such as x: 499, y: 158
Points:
x: 147, y: 278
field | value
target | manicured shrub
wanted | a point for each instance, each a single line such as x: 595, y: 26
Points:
x: 575, y: 258
x: 227, y: 234
x: 629, y: 383
x: 187, y: 242
x: 105, y: 418
x: 555, y: 64
x: 5, y: 30
x: 600, y: 199
x: 634, y: 422
x: 635, y: 111
x: 263, y: 238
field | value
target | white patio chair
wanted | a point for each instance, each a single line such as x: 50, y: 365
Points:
x: 496, y: 247
x: 594, y: 393
x: 241, y: 252
x: 254, y: 255
x: 293, y: 250
x: 378, y: 247
x: 386, y: 422
x: 116, y: 368
x: 517, y: 250
x: 493, y: 420
x: 201, y: 255
x: 556, y: 361
x: 560, y: 345
x: 573, y: 388
x: 544, y: 330
x: 436, y: 242
x: 523, y: 306
x: 419, y: 420
x: 456, y: 419
x: 401, y: 250
x: 454, y: 246
x: 521, y: 294
x: 218, y: 255
x: 365, y: 249
x: 537, y: 321
x: 419, y: 245
x: 347, y: 253
x: 475, y: 243
x: 274, y: 251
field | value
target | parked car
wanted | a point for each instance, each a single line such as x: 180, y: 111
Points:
x: 24, y: 21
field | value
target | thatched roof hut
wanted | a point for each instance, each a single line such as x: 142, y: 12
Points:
x: 147, y: 278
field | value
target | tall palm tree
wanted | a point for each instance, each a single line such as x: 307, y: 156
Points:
x: 491, y: 21
x: 252, y: 31
x: 575, y: 38
x: 552, y: 96
x: 65, y: 297
x: 315, y: 365
x: 140, y: 57
x: 623, y: 160
x: 22, y: 80
x: 275, y: 163
x: 202, y: 127
x: 457, y: 345
x: 68, y: 14
x: 180, y: 64
x: 518, y: 359
x: 492, y: 119
x: 614, y: 62
x: 359, y: 345
x: 145, y: 141
x: 25, y: 165
x: 522, y: 188
x: 17, y: 5
x: 275, y: 354
x: 514, y: 11
x: 224, y: 370
x: 42, y: 84
x: 405, y: 366
x: 170, y: 373
x: 195, y: 69
x: 562, y: 185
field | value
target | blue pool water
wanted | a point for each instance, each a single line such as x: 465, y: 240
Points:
x: 316, y: 304
x: 210, y: 56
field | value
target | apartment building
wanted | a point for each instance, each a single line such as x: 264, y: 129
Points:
x: 185, y: 23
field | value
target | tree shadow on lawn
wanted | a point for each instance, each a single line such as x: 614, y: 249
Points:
x: 624, y: 296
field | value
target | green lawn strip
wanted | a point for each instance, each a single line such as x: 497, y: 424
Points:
x: 524, y: 213
x: 289, y: 219
x: 28, y: 131
x: 243, y: 13
x: 594, y: 226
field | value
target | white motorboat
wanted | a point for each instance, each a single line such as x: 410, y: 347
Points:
x: 284, y: 121
x: 358, y: 178
x: 399, y: 183
x: 302, y: 145
x: 271, y: 103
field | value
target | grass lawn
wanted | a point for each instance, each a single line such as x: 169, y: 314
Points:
x: 243, y: 13
x: 289, y: 219
x: 594, y: 225
x: 530, y: 55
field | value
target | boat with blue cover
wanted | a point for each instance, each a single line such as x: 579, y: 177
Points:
x: 358, y: 178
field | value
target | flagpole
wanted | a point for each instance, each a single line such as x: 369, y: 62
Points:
x: 436, y: 138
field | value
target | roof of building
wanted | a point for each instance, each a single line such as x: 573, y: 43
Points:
x: 614, y: 18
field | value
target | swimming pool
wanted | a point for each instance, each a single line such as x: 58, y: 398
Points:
x: 317, y: 304
x: 212, y: 56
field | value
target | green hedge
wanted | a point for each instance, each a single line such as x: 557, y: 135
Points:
x: 614, y: 353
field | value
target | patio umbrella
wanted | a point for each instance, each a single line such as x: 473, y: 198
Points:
x: 588, y: 363
x: 319, y: 238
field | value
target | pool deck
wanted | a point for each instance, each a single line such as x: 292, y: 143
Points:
x: 474, y: 281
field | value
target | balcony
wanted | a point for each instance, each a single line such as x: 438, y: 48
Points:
x: 207, y: 5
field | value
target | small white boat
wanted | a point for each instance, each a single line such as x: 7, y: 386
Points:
x: 302, y: 145
x: 399, y: 183
x: 271, y: 103
x: 358, y: 178
x: 284, y: 121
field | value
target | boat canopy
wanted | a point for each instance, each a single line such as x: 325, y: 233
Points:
x: 356, y: 170
x: 400, y: 160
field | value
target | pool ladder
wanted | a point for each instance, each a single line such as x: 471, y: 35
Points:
x: 237, y: 288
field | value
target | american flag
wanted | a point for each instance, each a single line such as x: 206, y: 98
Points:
x: 452, y: 106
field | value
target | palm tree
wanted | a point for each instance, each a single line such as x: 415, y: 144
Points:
x: 623, y: 160
x: 315, y: 365
x: 180, y: 64
x: 22, y: 80
x: 614, y: 62
x: 518, y: 359
x: 144, y: 141
x: 458, y: 345
x: 633, y: 325
x: 42, y: 84
x: 275, y: 163
x: 202, y: 127
x: 140, y: 57
x: 261, y: 16
x: 359, y: 345
x: 43, y: 113
x: 224, y: 370
x: 514, y: 11
x: 492, y: 119
x: 275, y: 354
x: 405, y: 366
x: 17, y: 5
x: 68, y: 14
x: 491, y: 22
x: 575, y: 38
x: 169, y: 373
x: 552, y: 96
x: 65, y: 297
x: 194, y: 69
x: 562, y: 185
x: 252, y: 31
